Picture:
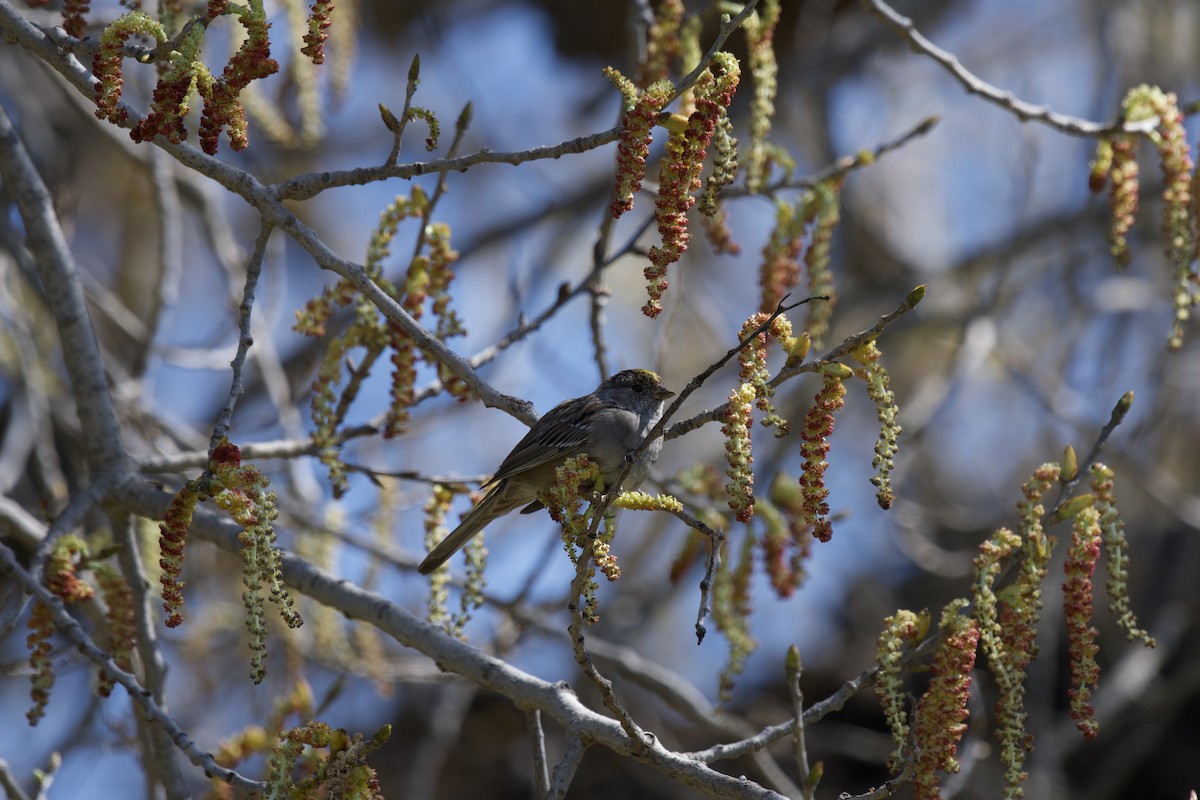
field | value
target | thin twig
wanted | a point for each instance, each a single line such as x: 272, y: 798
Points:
x: 578, y: 645
x: 245, y: 338
x: 12, y: 789
x: 537, y: 743
x: 1115, y: 418
x: 715, y: 538
x: 137, y: 693
x: 886, y: 789
x: 815, y: 712
x: 839, y: 168
x: 799, y: 749
x: 71, y: 517
x: 309, y: 185
x: 1005, y: 99
x: 564, y: 771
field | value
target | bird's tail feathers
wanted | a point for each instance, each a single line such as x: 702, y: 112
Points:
x: 493, y: 505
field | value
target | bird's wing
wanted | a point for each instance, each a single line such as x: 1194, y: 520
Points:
x: 560, y: 434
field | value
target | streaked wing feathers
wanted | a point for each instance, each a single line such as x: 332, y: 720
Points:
x: 559, y: 435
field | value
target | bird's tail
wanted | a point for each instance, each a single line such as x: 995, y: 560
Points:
x: 495, y: 504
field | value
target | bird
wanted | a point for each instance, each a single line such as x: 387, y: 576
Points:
x: 607, y: 425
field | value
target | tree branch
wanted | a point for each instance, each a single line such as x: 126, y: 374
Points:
x: 100, y: 431
x: 1002, y: 97
x: 137, y: 693
x: 526, y: 691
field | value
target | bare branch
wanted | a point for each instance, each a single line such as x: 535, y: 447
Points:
x: 773, y: 733
x: 99, y: 428
x: 564, y: 771
x: 245, y: 338
x: 526, y: 691
x: 1005, y: 99
x: 583, y: 658
x: 537, y: 742
x: 715, y: 538
x: 12, y: 789
x: 137, y: 693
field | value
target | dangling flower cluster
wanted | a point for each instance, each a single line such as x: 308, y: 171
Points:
x: 679, y: 173
x: 1020, y: 610
x: 1115, y: 549
x: 564, y: 500
x: 1007, y: 618
x: 242, y: 494
x: 186, y: 73
x: 901, y: 632
x: 172, y: 538
x: 1003, y: 665
x: 818, y: 427
x: 318, y: 23
x: 223, y: 109
x: 436, y: 508
x: 61, y: 577
x: 941, y: 716
x: 662, y: 42
x: 714, y: 218
x: 753, y: 360
x: 731, y: 612
x: 74, y: 14
x: 1008, y: 621
x: 106, y: 64
x: 724, y: 169
x: 1078, y: 596
x: 426, y: 282
x: 1178, y: 223
x: 442, y: 258
x: 786, y: 541
x: 641, y: 112
x: 122, y: 624
x: 475, y: 554
x: 780, y: 268
x: 1175, y: 158
x: 879, y: 390
x: 334, y: 763
x: 760, y: 44
x: 640, y: 501
x: 41, y: 671
x: 821, y: 206
x: 1116, y: 159
x: 738, y: 451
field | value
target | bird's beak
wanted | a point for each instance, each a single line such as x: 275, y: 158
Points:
x: 663, y: 393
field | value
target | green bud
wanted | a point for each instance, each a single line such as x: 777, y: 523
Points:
x: 1070, y: 464
x: 792, y: 662
x: 1072, y: 507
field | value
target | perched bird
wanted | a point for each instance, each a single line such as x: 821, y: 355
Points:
x: 607, y: 425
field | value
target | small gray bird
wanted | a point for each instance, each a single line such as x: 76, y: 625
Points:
x: 607, y: 424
